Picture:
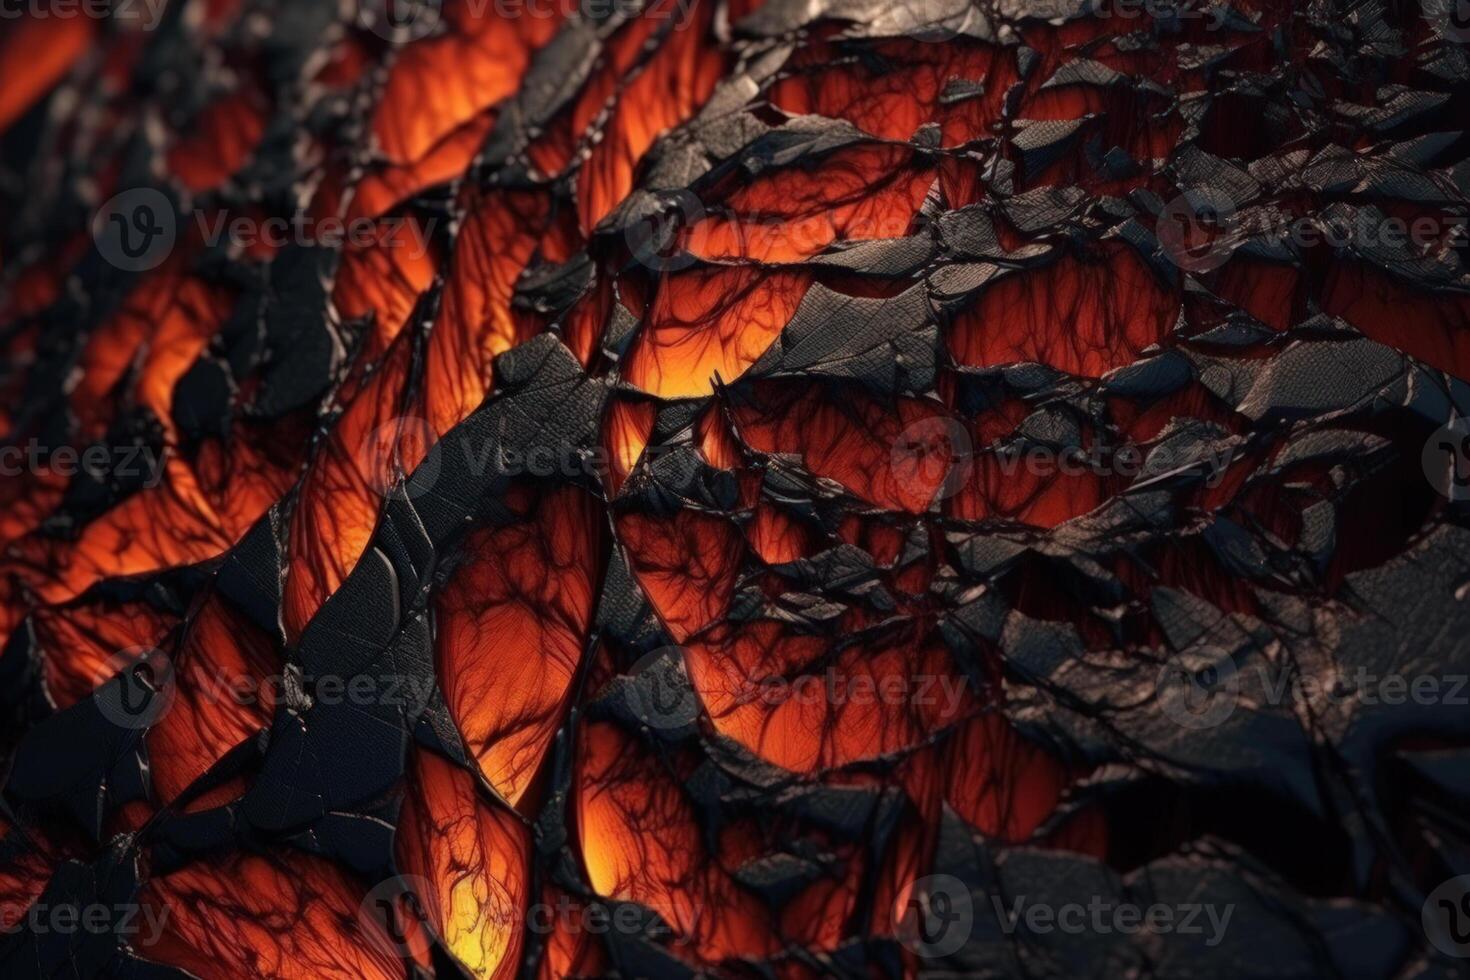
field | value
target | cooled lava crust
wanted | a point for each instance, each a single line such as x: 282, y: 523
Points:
x: 759, y: 483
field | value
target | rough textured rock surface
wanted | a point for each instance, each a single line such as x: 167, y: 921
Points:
x: 859, y: 488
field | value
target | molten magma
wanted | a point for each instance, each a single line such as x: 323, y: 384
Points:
x: 1082, y: 316
x: 868, y: 192
x: 738, y: 354
x: 708, y: 325
x: 472, y: 860
x: 640, y: 842
x: 439, y: 101
x: 274, y: 915
x: 514, y: 623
